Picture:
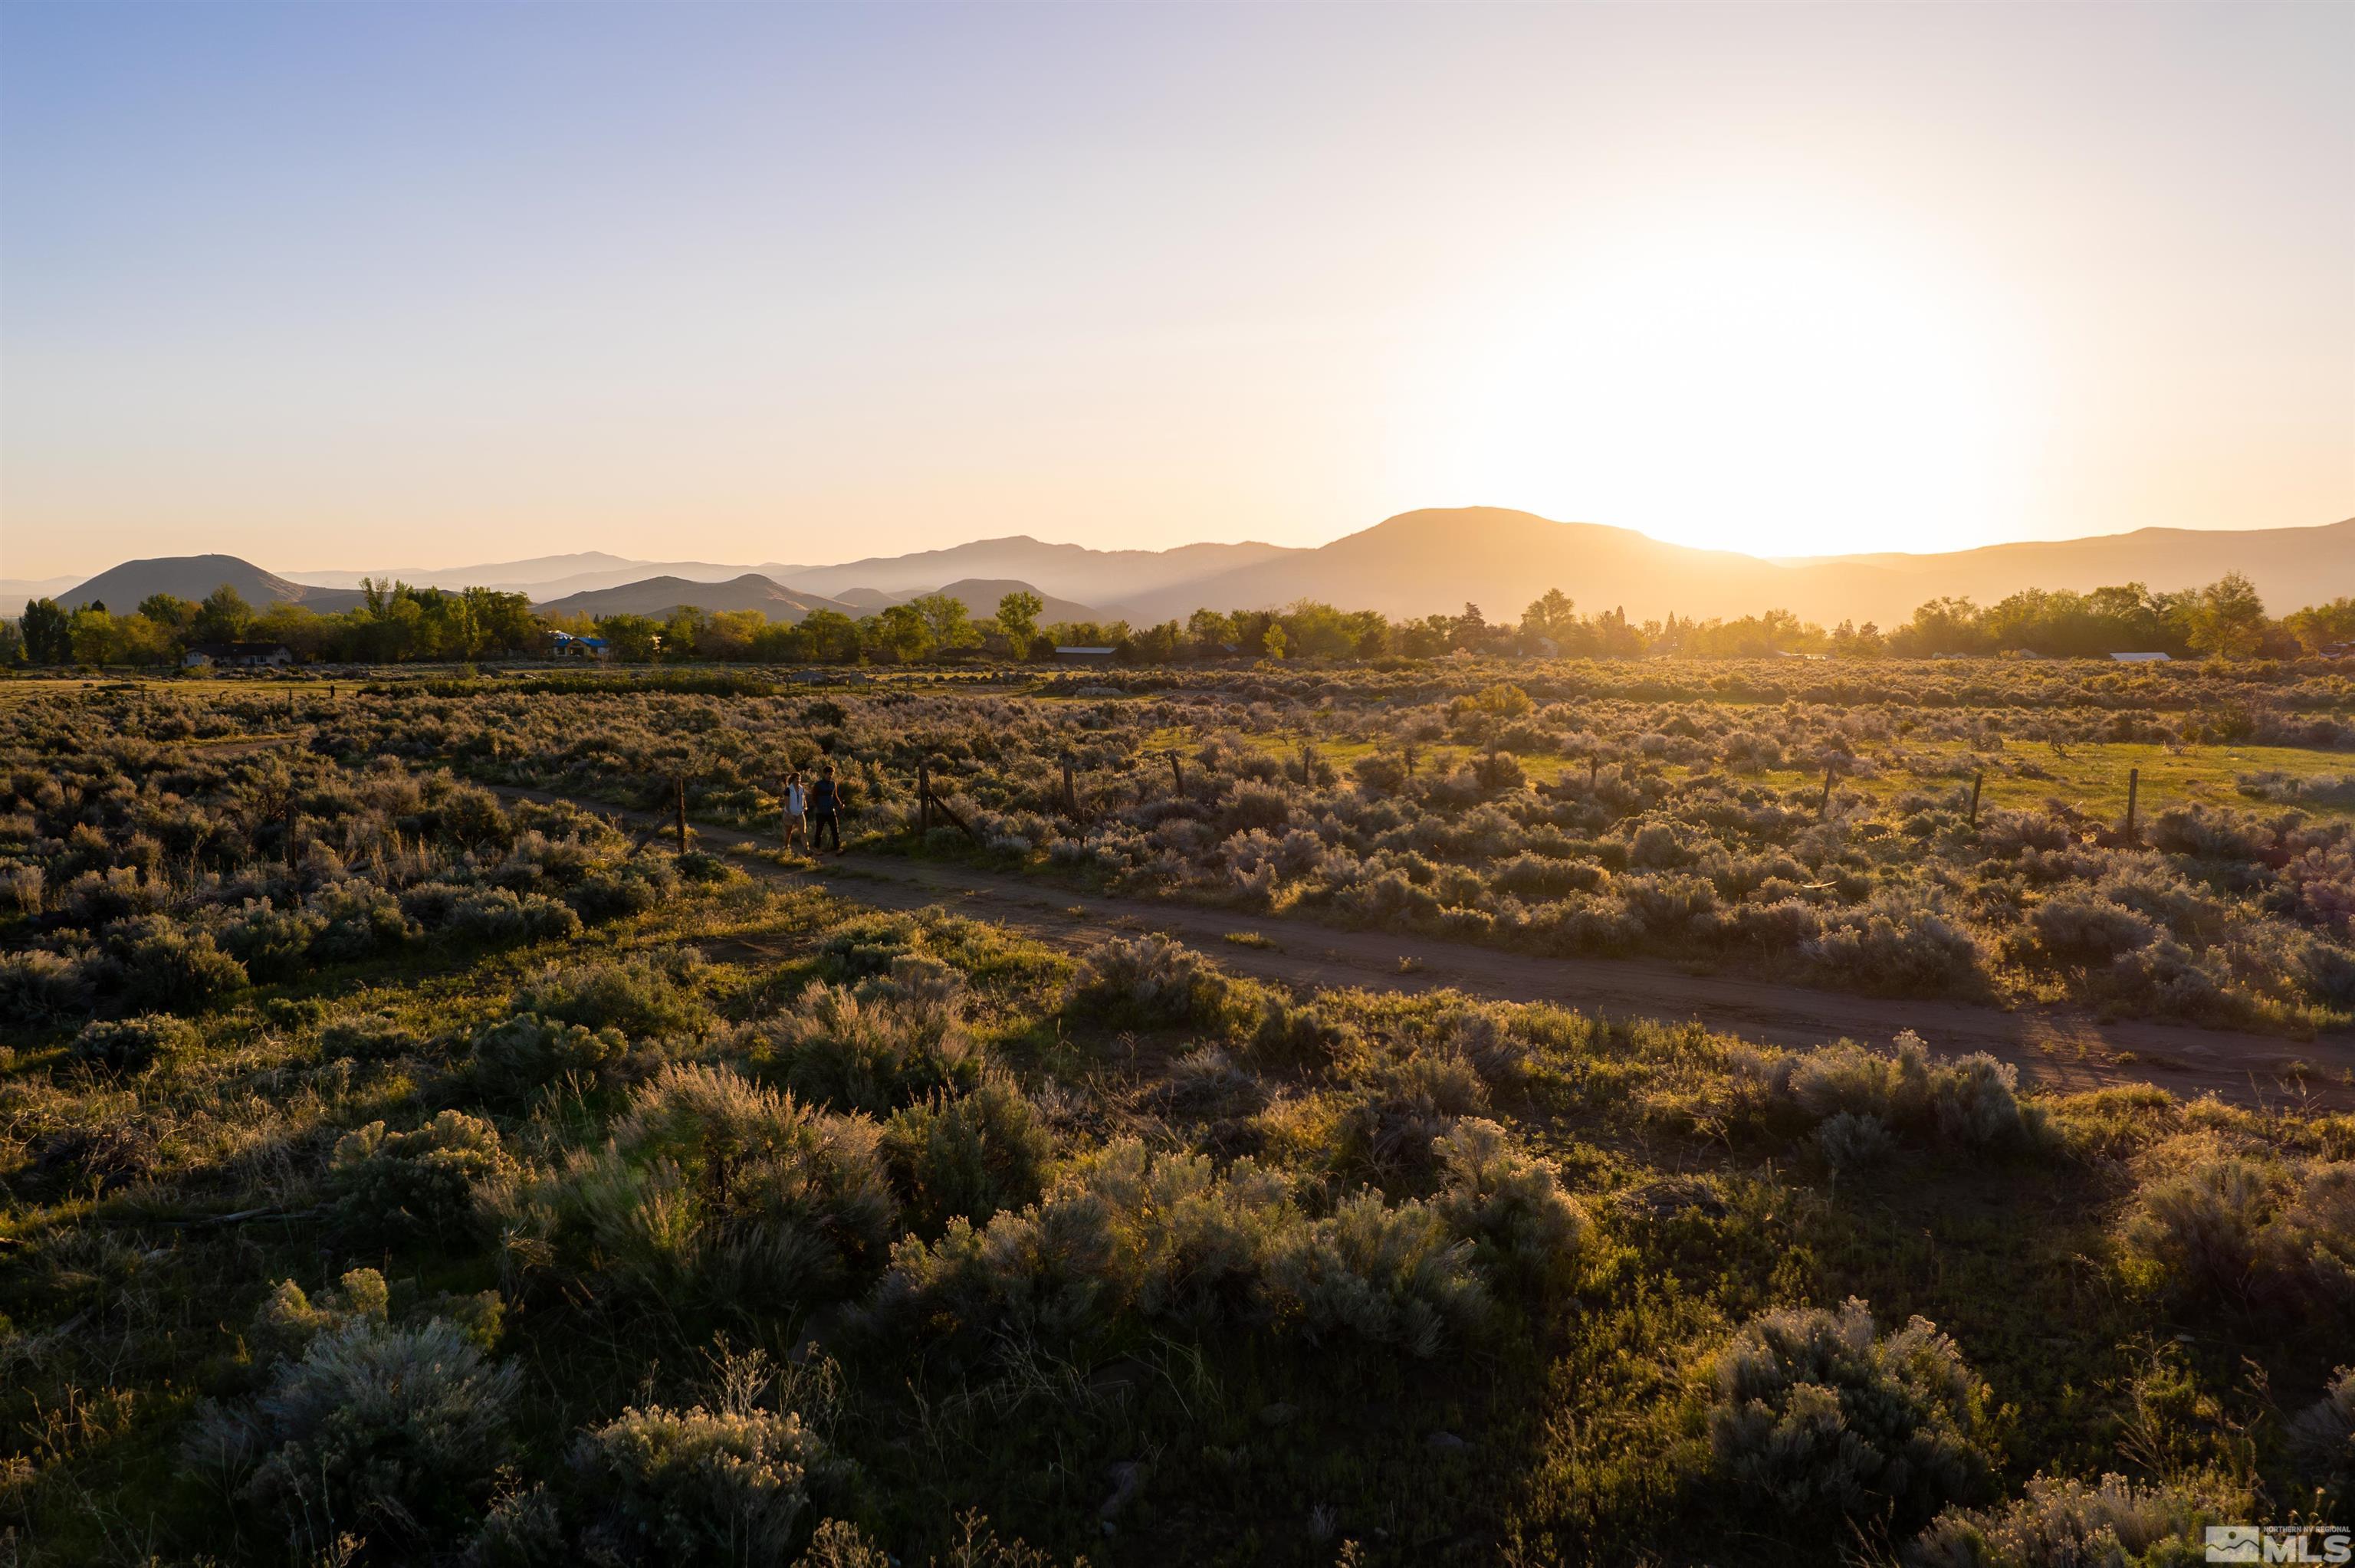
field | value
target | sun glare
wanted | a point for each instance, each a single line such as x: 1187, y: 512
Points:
x: 1757, y: 396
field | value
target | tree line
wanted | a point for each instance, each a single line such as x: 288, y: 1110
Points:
x: 394, y: 623
x: 397, y: 623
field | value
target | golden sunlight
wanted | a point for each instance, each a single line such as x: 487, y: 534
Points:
x: 1749, y: 392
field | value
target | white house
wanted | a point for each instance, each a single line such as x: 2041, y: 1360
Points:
x: 2143, y: 658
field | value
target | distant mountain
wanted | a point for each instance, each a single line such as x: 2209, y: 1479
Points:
x: 550, y: 577
x: 2291, y: 567
x: 1067, y: 571
x: 120, y: 588
x: 16, y: 593
x: 660, y: 595
x: 1424, y: 562
x: 980, y: 595
x: 1418, y: 562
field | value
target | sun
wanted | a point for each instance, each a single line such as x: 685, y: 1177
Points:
x: 1746, y: 391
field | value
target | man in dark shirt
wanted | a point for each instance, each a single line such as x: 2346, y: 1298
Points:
x: 825, y: 810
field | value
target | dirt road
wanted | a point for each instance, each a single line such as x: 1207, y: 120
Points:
x: 2050, y: 1048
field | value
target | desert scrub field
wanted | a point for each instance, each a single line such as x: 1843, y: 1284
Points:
x: 462, y: 1181
x: 1928, y: 829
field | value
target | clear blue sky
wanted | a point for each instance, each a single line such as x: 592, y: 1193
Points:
x: 363, y: 285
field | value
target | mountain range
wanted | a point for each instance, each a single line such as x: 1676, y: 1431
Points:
x: 1414, y: 563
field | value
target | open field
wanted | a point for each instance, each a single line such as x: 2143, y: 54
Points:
x: 401, y: 1170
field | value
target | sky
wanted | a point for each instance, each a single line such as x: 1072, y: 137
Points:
x: 372, y: 285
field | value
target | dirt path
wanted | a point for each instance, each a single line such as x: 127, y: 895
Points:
x: 2050, y: 1048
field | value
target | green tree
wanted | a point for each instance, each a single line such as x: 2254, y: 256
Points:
x: 1018, y: 617
x: 1553, y: 617
x: 832, y: 637
x: 2227, y: 619
x: 1313, y: 629
x: 634, y: 638
x: 93, y: 638
x: 1155, y: 644
x: 47, y: 631
x: 1210, y: 633
x: 897, y: 633
x: 222, y: 618
x: 682, y: 633
x: 169, y: 611
x: 946, y: 620
x: 2318, y: 625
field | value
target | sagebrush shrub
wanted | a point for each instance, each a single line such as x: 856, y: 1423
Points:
x: 397, y: 1431
x: 1818, y: 1412
x: 402, y: 1187
x: 2078, y: 926
x: 2310, y: 1246
x: 715, y: 1187
x: 128, y: 1045
x: 273, y: 943
x: 1145, y: 982
x: 1120, y: 1231
x: 515, y: 1057
x: 631, y: 887
x: 2065, y: 1524
x: 1965, y: 1103
x: 1853, y: 1140
x: 1167, y: 1239
x: 695, y: 1485
x: 357, y: 920
x: 1897, y: 946
x: 642, y: 995
x: 496, y: 917
x: 170, y: 970
x: 1389, y: 1275
x: 38, y: 988
x: 2203, y: 1226
x: 967, y: 1156
x: 874, y: 1047
x: 1399, y: 1108
x: 1510, y: 1205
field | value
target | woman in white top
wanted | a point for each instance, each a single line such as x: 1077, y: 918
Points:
x: 796, y: 810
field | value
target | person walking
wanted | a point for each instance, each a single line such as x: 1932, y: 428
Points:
x: 825, y: 810
x: 796, y: 810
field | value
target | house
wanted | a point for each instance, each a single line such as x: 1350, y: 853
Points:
x: 1064, y: 655
x: 566, y: 646
x: 2336, y: 651
x: 236, y: 655
x: 2143, y: 658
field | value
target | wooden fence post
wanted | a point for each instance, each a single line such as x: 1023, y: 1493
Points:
x: 1308, y: 765
x: 2134, y: 788
x: 1071, y: 790
x: 1825, y: 810
x: 1976, y: 780
x: 681, y: 797
x: 1176, y: 773
x: 924, y: 800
